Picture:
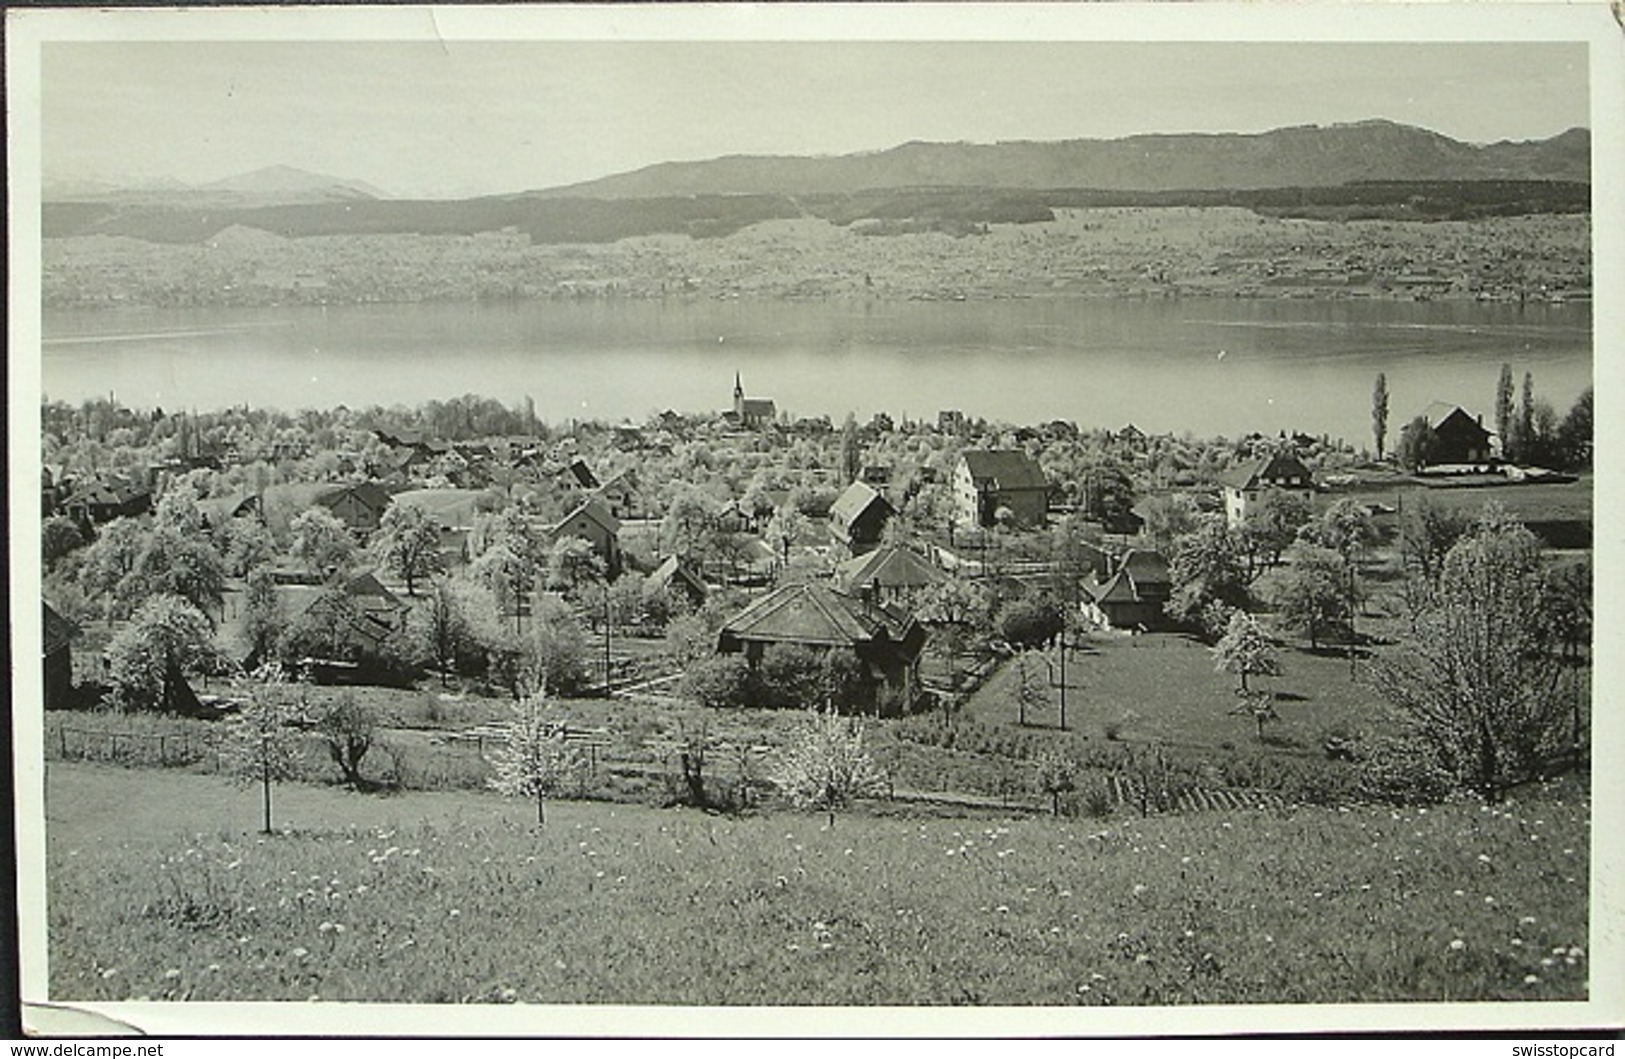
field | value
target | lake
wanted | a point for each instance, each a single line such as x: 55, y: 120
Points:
x: 1219, y: 366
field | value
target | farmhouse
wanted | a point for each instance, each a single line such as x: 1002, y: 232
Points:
x: 358, y: 616
x: 886, y: 575
x: 359, y: 505
x: 1133, y: 596
x: 57, y: 635
x: 1457, y: 435
x: 886, y: 642
x: 217, y: 512
x: 752, y: 413
x: 676, y: 578
x: 105, y: 500
x: 858, y: 517
x: 987, y: 481
x: 592, y: 521
x: 1246, y: 485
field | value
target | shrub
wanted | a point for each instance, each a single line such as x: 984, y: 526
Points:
x: 722, y: 680
x: 1402, y: 771
x: 1032, y: 622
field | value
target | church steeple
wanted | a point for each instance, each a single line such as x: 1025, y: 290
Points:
x: 739, y: 396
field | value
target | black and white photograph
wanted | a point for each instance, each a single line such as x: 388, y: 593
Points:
x: 995, y: 519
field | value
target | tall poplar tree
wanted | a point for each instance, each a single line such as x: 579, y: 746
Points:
x: 1379, y: 412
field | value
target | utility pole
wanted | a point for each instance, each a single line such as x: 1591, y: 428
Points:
x: 1063, y: 680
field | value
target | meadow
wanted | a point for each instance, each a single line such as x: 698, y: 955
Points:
x: 159, y: 888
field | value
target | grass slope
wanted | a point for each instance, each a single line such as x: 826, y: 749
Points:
x: 158, y: 891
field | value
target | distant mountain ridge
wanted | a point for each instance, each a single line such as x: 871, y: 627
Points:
x: 270, y: 186
x: 1299, y: 156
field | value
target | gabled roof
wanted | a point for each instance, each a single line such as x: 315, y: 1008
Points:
x: 888, y: 567
x: 1145, y: 567
x: 857, y: 499
x: 367, y: 588
x: 1005, y: 469
x: 1275, y: 465
x: 583, y: 474
x: 1115, y: 589
x: 759, y: 406
x: 815, y: 614
x: 218, y: 510
x: 1439, y: 411
x: 674, y: 570
x: 593, y: 508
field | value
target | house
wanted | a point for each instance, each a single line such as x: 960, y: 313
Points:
x: 57, y: 636
x: 887, y: 575
x: 886, y: 642
x: 1132, y: 436
x: 677, y: 579
x: 580, y: 475
x: 1133, y: 596
x: 858, y: 518
x: 218, y: 511
x: 1247, y: 484
x: 752, y: 413
x: 358, y: 618
x: 359, y: 505
x: 592, y: 521
x: 105, y: 500
x: 1458, y: 436
x: 987, y: 481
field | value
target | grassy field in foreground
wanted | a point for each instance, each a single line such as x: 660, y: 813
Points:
x: 159, y: 889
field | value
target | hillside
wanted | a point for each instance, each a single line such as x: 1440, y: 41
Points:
x: 277, y: 185
x: 1303, y: 156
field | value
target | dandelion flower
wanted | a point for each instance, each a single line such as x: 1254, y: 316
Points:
x: 1530, y: 979
x: 301, y: 952
x: 1458, y: 945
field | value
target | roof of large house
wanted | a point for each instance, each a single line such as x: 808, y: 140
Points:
x: 1439, y: 411
x: 759, y: 406
x: 887, y: 567
x: 1145, y: 567
x: 855, y: 501
x: 674, y: 570
x: 107, y: 491
x: 595, y: 509
x: 815, y: 614
x: 1005, y: 468
x: 1275, y: 465
x: 1118, y: 588
x: 452, y: 508
x: 218, y: 510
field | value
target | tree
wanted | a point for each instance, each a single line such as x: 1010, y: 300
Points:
x: 174, y: 562
x: 1379, y: 412
x: 719, y: 681
x: 260, y: 743
x: 1313, y: 595
x: 1525, y: 432
x: 59, y: 537
x: 1245, y: 651
x: 1168, y: 518
x: 788, y: 526
x: 1417, y: 444
x: 1107, y: 494
x: 110, y: 559
x: 321, y: 541
x: 689, y: 639
x: 535, y: 760
x: 507, y: 575
x: 1478, y: 680
x: 1055, y: 773
x: 347, y: 727
x: 263, y: 621
x: 166, y: 641
x: 555, y: 652
x: 1206, y: 567
x: 1503, y: 411
x: 408, y: 544
x: 246, y: 543
x: 1273, y: 524
x: 459, y: 625
x: 1574, y: 432
x: 1566, y: 603
x: 1260, y: 706
x: 825, y: 766
x: 793, y: 675
x: 573, y: 566
x: 1030, y: 622
x: 689, y: 524
x: 851, y: 454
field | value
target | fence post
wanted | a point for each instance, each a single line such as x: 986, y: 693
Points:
x: 163, y: 750
x: 62, y: 732
x: 112, y: 746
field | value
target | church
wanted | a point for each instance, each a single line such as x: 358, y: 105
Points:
x: 752, y: 412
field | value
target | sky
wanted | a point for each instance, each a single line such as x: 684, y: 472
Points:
x: 461, y: 118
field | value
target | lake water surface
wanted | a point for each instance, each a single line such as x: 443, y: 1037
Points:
x: 1209, y: 366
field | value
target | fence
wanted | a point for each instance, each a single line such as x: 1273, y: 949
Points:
x: 168, y: 749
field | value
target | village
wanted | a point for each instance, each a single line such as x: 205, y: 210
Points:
x: 746, y: 559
